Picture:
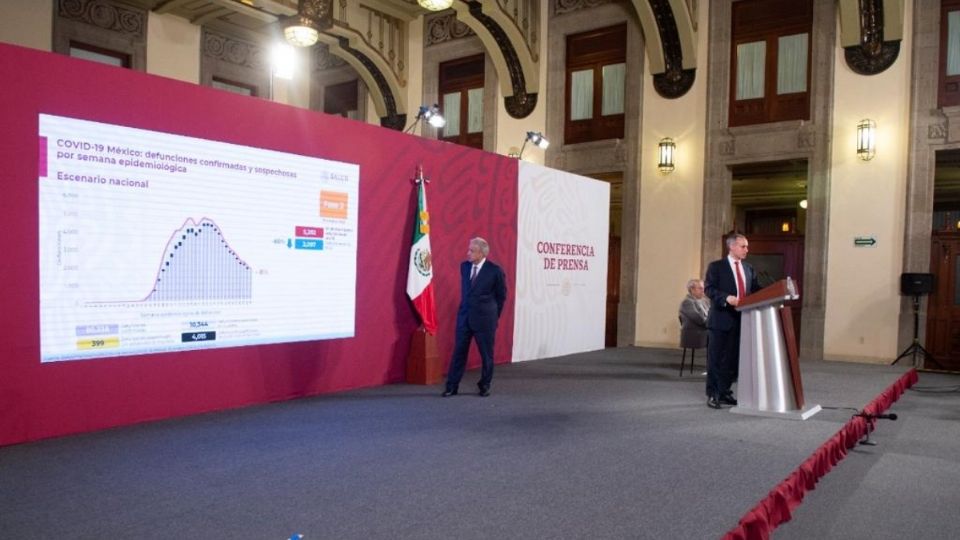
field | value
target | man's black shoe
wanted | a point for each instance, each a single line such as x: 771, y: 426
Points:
x: 484, y: 392
x: 713, y: 403
x: 448, y: 393
x: 728, y: 399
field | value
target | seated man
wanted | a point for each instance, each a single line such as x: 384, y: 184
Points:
x: 693, y: 316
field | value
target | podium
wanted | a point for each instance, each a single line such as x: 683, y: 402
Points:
x: 769, y: 383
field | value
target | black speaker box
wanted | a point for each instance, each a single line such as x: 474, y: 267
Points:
x: 914, y: 284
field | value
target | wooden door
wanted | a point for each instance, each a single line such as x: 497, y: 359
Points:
x: 613, y: 291
x: 775, y: 257
x: 943, y: 308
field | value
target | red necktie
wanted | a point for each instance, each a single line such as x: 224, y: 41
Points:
x: 741, y: 290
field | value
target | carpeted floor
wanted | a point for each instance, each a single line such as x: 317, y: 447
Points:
x: 610, y: 444
x: 906, y: 486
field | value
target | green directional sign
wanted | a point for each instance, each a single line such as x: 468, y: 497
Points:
x: 864, y: 241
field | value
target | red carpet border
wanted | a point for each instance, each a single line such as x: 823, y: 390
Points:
x: 779, y: 504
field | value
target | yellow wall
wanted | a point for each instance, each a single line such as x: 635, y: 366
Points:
x: 173, y: 46
x: 867, y: 199
x: 671, y: 205
x: 27, y: 23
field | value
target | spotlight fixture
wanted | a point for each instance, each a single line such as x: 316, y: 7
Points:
x: 667, y: 149
x: 536, y: 138
x: 435, y: 5
x: 431, y: 115
x: 866, y: 139
x: 284, y: 60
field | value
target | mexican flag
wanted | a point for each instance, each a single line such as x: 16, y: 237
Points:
x: 420, y: 273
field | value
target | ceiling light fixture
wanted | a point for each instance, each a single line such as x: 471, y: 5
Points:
x: 435, y: 5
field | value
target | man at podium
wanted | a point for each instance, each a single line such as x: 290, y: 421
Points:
x: 727, y: 281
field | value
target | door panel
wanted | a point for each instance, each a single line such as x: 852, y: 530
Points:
x: 943, y: 307
x: 613, y: 291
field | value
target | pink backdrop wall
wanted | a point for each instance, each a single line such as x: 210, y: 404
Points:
x: 472, y: 193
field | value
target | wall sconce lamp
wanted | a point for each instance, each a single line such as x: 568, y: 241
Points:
x: 667, y: 149
x: 803, y: 204
x: 431, y: 115
x: 435, y: 5
x: 536, y: 138
x: 866, y: 139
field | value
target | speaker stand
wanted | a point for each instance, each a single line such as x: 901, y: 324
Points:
x: 916, y: 348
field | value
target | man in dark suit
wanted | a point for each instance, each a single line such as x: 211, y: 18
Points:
x: 483, y: 290
x: 727, y: 282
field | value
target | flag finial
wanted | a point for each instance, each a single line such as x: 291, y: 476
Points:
x: 420, y: 178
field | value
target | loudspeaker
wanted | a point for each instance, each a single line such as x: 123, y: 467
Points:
x: 916, y: 284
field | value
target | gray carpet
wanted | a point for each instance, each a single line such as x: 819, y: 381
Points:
x: 611, y: 444
x: 907, y: 486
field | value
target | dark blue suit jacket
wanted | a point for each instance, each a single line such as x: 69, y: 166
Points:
x: 720, y: 283
x: 482, y: 301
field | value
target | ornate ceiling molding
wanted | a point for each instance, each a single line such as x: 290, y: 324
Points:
x: 233, y: 51
x: 323, y: 59
x: 562, y: 7
x: 107, y: 15
x: 872, y: 54
x: 444, y: 27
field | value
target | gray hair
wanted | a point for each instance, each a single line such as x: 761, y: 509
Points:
x: 482, y: 244
x: 692, y: 282
x: 732, y: 239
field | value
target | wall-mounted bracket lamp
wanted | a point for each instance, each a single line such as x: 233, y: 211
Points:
x: 667, y: 150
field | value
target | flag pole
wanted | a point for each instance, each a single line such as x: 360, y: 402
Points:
x: 423, y: 362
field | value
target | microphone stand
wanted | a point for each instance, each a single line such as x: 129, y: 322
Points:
x: 871, y: 420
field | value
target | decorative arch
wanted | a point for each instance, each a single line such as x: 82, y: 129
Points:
x: 870, y: 34
x: 511, y: 49
x: 671, y: 38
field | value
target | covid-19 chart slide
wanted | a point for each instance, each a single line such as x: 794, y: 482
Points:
x: 154, y: 242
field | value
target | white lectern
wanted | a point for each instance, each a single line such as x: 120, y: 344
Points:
x: 769, y: 382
